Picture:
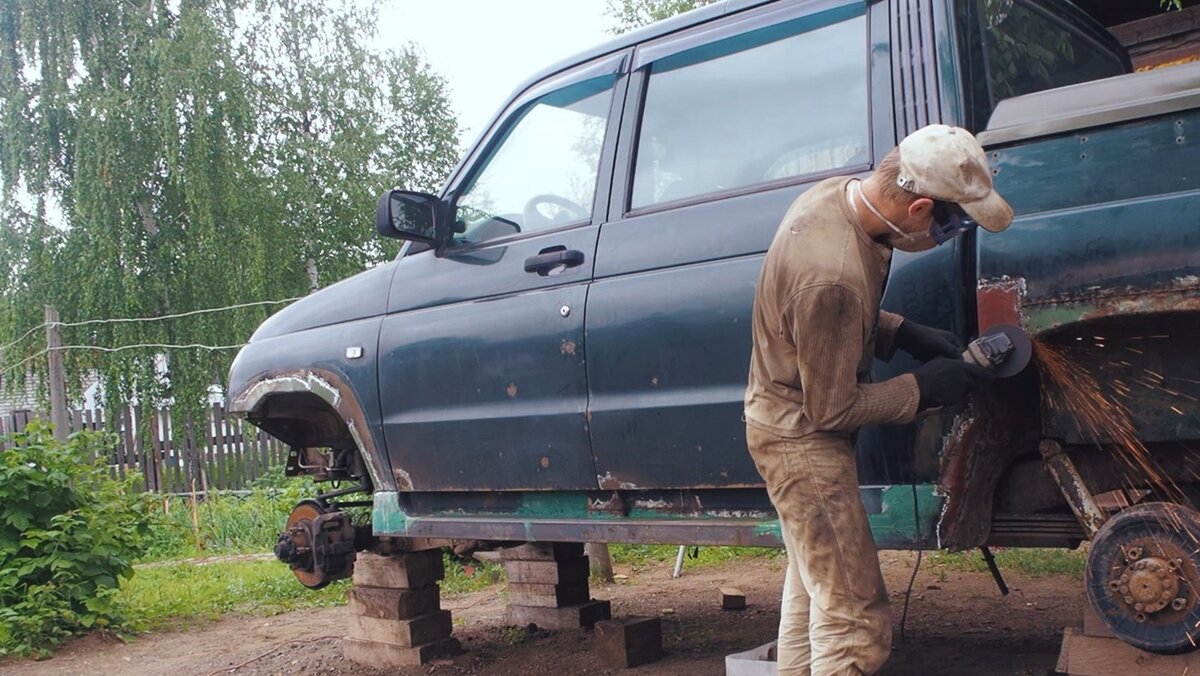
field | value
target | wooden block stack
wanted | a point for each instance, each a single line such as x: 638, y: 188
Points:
x: 395, y: 610
x: 548, y: 586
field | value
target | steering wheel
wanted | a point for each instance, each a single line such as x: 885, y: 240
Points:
x: 533, y: 215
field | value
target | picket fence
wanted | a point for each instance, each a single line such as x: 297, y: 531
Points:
x: 222, y: 452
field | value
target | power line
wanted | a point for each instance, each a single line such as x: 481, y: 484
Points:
x: 14, y: 367
x: 165, y: 346
x: 25, y: 335
x: 101, y: 348
x: 121, y: 320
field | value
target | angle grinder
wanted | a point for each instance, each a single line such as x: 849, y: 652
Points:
x: 1003, y: 349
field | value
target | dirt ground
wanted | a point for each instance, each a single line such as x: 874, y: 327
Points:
x: 956, y: 625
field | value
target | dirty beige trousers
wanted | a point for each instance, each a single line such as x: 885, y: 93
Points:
x: 835, y: 617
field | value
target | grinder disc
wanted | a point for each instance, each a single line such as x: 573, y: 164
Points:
x: 1022, y: 352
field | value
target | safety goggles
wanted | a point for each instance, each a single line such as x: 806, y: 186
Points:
x: 949, y: 221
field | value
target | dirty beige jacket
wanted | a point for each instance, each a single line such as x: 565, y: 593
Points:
x: 817, y: 325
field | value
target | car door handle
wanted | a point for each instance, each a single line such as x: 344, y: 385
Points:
x: 553, y: 258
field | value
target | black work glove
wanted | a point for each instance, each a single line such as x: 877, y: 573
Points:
x: 926, y: 342
x: 944, y: 381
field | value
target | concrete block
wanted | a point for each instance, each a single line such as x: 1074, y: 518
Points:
x: 393, y: 604
x: 628, y: 642
x: 407, y: 570
x: 732, y: 598
x: 570, y: 617
x: 570, y: 571
x: 388, y: 656
x: 404, y: 633
x: 542, y: 551
x: 547, y: 595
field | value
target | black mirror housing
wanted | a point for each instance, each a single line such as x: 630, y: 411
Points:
x: 404, y: 214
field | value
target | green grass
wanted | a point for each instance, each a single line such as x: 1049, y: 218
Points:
x: 224, y: 524
x: 186, y: 593
x: 643, y: 555
x: 1030, y: 562
x: 470, y: 576
x: 176, y: 591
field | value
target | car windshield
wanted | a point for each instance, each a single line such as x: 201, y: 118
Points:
x: 1025, y: 48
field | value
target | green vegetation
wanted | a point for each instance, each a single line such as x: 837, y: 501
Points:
x: 158, y: 158
x: 1032, y: 562
x: 68, y: 533
x: 224, y: 524
x: 631, y: 14
x: 468, y: 576
x: 643, y: 555
x: 184, y: 593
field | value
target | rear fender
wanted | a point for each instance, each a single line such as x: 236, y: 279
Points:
x: 1138, y: 344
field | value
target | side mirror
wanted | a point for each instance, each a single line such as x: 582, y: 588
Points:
x: 402, y: 214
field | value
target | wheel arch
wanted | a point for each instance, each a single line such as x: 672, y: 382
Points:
x: 315, y: 407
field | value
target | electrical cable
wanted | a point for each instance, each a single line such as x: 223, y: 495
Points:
x: 21, y: 363
x: 916, y: 567
x: 186, y: 346
x: 124, y: 320
x: 101, y: 348
x: 23, y: 337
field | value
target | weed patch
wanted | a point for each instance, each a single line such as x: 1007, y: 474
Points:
x: 1031, y: 562
x: 172, y: 595
x: 644, y: 555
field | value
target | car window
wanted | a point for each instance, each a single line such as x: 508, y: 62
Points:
x: 1025, y: 49
x: 758, y: 107
x: 542, y: 172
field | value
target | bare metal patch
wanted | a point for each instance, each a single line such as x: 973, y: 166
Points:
x: 609, y: 482
x: 305, y: 382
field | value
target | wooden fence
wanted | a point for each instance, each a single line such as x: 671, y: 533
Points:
x: 222, y: 452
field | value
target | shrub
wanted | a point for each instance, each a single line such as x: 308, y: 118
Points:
x: 68, y: 532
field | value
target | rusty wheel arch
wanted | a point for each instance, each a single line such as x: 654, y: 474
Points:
x: 313, y: 408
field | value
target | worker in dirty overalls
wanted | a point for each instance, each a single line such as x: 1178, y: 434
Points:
x: 817, y: 326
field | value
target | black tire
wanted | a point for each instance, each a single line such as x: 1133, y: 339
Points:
x: 1165, y: 530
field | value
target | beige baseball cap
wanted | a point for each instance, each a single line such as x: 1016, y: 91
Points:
x: 948, y: 164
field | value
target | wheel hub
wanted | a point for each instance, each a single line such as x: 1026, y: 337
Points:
x: 317, y: 544
x: 1148, y: 585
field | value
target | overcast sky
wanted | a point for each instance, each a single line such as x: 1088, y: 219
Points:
x: 485, y: 48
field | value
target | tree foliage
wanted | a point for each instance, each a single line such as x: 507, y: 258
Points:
x: 161, y: 157
x: 631, y: 14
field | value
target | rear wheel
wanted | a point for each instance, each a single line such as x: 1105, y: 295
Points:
x: 1143, y: 577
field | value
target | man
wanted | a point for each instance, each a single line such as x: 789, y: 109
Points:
x: 817, y: 326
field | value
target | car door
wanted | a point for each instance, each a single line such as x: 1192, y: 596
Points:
x: 736, y: 119
x: 482, y: 373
